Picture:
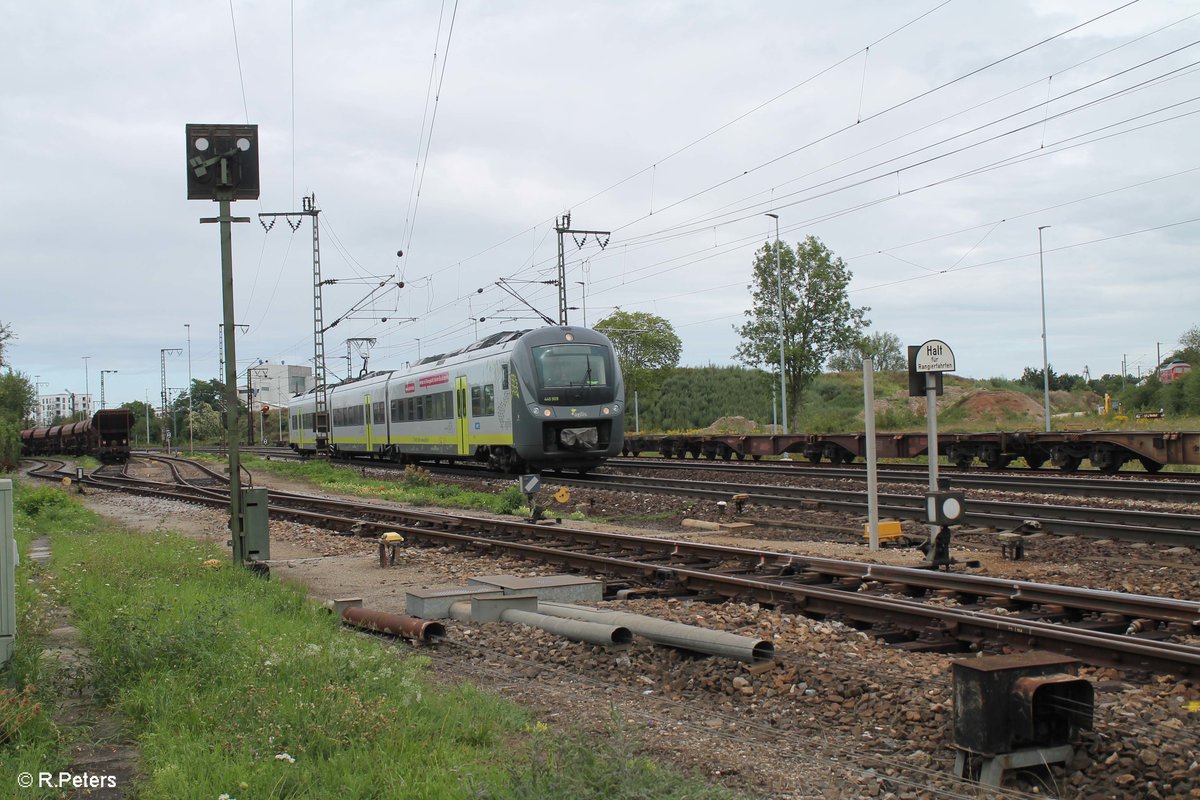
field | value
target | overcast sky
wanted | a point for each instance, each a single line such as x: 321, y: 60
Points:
x: 923, y: 141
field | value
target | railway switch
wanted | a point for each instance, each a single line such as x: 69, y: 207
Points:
x: 1017, y: 710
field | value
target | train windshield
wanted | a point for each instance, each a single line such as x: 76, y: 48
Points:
x: 574, y: 373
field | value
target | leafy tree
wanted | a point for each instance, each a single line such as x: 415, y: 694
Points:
x: 817, y: 316
x: 884, y: 347
x: 1189, y: 347
x: 647, y: 348
x: 6, y: 335
x: 10, y: 445
x: 139, y: 410
x: 210, y: 392
x: 18, y: 397
x: 206, y: 422
x: 1065, y: 382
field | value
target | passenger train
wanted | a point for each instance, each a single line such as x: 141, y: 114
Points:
x: 551, y: 398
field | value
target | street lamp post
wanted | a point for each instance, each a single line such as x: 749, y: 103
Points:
x: 188, y: 325
x: 104, y: 372
x: 1045, y: 349
x: 87, y: 389
x: 783, y: 406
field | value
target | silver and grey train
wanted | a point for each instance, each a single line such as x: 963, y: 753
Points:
x: 551, y: 398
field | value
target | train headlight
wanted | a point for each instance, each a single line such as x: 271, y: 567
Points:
x: 536, y: 411
x: 605, y: 411
x: 546, y: 412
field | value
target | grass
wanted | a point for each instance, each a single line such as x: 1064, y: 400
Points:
x: 29, y: 688
x: 416, y: 486
x: 235, y: 685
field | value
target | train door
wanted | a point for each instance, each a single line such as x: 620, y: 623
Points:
x: 460, y: 412
x: 367, y: 421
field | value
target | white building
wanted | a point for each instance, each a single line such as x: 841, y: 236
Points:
x: 274, y: 384
x: 52, y: 406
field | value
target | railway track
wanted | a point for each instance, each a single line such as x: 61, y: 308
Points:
x: 1168, y: 487
x: 1160, y: 487
x: 1171, y: 529
x: 1152, y: 527
x: 910, y: 608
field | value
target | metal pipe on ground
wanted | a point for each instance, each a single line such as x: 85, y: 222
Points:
x: 400, y: 625
x: 672, y: 634
x: 597, y: 633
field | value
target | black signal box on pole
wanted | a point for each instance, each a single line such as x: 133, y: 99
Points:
x: 916, y: 380
x: 222, y: 159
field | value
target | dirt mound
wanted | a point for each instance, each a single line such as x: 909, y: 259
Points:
x: 732, y: 425
x: 997, y: 406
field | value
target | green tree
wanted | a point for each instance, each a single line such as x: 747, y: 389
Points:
x: 18, y: 397
x: 647, y: 348
x: 211, y: 392
x: 139, y: 421
x: 6, y: 335
x: 818, y: 318
x: 884, y: 347
x: 1189, y: 347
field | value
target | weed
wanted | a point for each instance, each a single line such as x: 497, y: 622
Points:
x: 417, y: 477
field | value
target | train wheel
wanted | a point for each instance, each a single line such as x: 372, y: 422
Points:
x: 740, y: 456
x: 1150, y: 464
x: 814, y: 458
x: 1035, y: 462
x: 963, y: 460
x: 1068, y: 463
x: 1107, y: 461
x: 991, y: 457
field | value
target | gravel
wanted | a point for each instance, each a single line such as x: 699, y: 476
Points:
x: 838, y: 715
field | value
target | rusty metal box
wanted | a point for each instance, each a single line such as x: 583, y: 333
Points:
x: 1007, y: 702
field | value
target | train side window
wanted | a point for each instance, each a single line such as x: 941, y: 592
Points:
x: 397, y: 411
x: 419, y: 402
x: 359, y: 416
x: 380, y: 413
x: 483, y: 401
x: 445, y: 405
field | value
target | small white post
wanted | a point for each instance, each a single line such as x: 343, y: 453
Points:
x: 872, y: 485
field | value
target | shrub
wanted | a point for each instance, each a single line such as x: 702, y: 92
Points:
x: 34, y: 501
x: 415, y: 476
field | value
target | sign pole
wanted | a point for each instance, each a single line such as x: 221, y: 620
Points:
x: 872, y: 481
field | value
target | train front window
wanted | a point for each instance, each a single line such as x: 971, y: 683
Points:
x: 573, y: 373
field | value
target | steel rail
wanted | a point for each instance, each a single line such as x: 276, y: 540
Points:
x: 932, y: 622
x: 1037, y: 482
x: 1104, y: 523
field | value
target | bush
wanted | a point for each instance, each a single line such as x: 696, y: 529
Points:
x: 415, y: 476
x: 510, y: 500
x: 34, y: 501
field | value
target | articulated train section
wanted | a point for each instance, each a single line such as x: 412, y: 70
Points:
x: 1065, y: 450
